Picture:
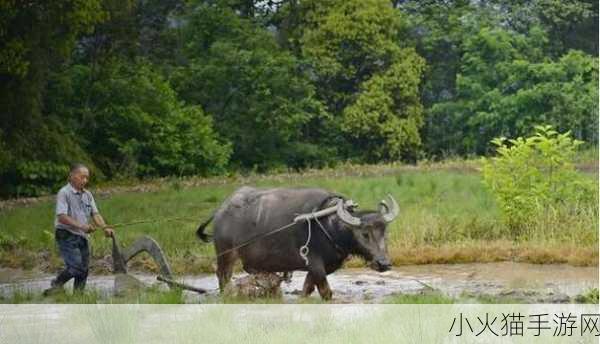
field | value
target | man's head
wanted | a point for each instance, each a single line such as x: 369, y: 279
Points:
x: 79, y: 176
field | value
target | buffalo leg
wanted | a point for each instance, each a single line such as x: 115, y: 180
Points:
x: 225, y: 269
x: 324, y: 289
x: 309, y: 286
x: 318, y: 277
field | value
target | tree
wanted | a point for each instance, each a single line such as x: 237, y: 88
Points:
x: 569, y: 24
x: 354, y: 51
x: 35, y: 37
x: 385, y: 119
x: 534, y: 176
x: 257, y: 93
x: 507, y: 86
x: 445, y: 31
x: 131, y: 123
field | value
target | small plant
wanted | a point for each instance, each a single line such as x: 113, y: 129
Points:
x: 9, y: 242
x: 426, y: 297
x: 591, y: 296
x: 536, y: 176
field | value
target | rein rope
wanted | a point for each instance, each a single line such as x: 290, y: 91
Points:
x: 125, y: 224
x: 249, y: 241
x: 304, y: 250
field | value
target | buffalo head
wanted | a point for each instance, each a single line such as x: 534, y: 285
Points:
x: 369, y: 231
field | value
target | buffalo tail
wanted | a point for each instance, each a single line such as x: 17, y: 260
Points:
x: 200, y: 231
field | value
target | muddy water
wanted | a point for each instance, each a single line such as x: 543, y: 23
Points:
x: 517, y: 281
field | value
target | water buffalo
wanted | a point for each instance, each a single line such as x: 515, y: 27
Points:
x: 338, y: 232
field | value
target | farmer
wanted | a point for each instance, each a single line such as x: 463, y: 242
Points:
x: 75, y: 207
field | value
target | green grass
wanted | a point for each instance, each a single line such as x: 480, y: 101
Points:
x: 149, y: 295
x: 591, y: 296
x: 154, y: 295
x: 20, y: 296
x: 27, y: 296
x: 426, y: 298
x: 447, y: 216
x: 436, y: 297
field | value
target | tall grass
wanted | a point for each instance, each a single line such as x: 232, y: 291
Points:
x: 447, y: 215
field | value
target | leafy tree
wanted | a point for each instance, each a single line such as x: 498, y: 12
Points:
x: 36, y: 36
x: 507, y: 86
x: 133, y: 28
x: 448, y: 34
x: 153, y: 87
x: 131, y: 122
x: 438, y: 29
x: 535, y: 175
x: 569, y: 24
x: 384, y: 120
x: 257, y: 93
x: 354, y: 51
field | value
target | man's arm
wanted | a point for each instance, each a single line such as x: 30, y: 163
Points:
x: 99, y: 221
x: 67, y: 220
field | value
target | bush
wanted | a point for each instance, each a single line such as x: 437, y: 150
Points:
x: 131, y: 123
x: 38, y: 164
x: 591, y: 296
x: 535, y: 176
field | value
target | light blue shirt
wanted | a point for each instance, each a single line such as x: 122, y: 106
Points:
x: 79, y: 205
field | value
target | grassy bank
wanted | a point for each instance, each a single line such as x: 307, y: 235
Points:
x: 156, y: 296
x: 447, y: 216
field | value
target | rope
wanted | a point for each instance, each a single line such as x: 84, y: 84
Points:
x: 335, y: 245
x: 255, y: 238
x: 125, y: 224
x: 304, y: 249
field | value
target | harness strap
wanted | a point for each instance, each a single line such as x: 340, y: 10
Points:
x: 307, y: 217
x: 337, y: 247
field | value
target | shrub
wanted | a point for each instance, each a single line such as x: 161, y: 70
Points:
x: 39, y: 164
x: 590, y: 296
x: 135, y: 125
x: 535, y: 176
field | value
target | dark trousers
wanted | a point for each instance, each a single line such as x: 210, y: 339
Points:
x: 75, y: 252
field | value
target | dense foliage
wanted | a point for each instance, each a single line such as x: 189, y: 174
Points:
x: 154, y: 88
x: 536, y: 176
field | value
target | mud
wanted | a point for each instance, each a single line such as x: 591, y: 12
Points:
x: 520, y: 282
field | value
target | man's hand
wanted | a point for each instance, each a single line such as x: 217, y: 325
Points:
x: 108, y: 232
x: 87, y: 228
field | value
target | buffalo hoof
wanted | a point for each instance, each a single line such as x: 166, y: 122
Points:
x: 380, y: 266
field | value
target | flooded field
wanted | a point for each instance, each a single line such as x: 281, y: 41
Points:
x: 514, y: 281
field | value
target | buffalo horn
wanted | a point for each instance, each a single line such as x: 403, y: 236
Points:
x: 345, y: 216
x: 389, y: 214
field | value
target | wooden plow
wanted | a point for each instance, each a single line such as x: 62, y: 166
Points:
x: 121, y: 257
